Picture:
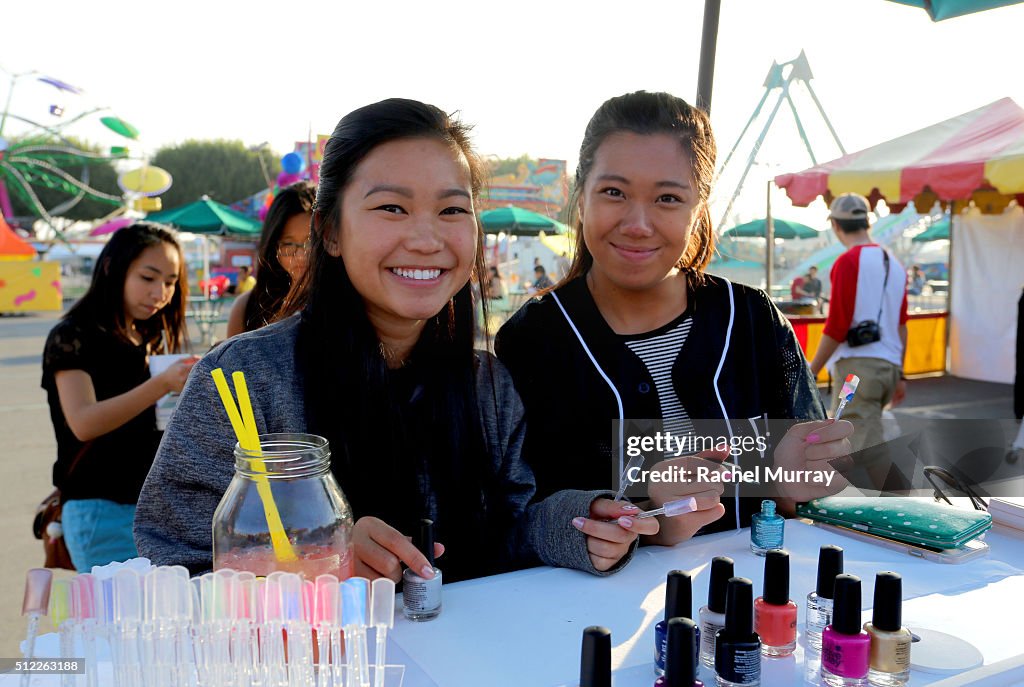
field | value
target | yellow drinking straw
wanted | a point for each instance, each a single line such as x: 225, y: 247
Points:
x: 244, y: 425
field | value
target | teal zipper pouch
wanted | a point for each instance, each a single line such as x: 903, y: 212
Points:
x: 910, y: 520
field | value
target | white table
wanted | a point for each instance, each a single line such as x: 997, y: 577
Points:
x: 525, y: 628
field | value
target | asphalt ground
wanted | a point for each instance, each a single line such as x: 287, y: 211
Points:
x: 26, y: 438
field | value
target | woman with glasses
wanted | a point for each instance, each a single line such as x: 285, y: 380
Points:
x: 284, y: 247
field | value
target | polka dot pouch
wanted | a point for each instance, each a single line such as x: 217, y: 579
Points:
x: 912, y: 520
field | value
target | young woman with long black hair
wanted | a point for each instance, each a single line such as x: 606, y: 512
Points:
x: 283, y: 256
x: 381, y: 362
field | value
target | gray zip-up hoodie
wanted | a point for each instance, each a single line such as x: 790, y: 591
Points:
x: 195, y: 461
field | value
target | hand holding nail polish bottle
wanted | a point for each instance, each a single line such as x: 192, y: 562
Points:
x: 890, y: 641
x: 774, y: 611
x: 678, y: 604
x: 421, y: 596
x: 737, y: 646
x: 712, y: 616
x: 596, y: 657
x: 681, y: 655
x: 819, y: 602
x: 767, y: 529
x: 845, y: 648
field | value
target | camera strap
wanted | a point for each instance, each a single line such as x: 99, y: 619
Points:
x: 885, y: 283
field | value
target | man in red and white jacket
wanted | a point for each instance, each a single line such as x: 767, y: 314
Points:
x: 862, y: 292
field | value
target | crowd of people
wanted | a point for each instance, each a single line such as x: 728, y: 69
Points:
x: 360, y: 327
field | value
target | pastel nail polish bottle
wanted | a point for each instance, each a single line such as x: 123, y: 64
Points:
x: 845, y: 648
x: 774, y: 611
x: 678, y: 604
x: 819, y: 602
x: 890, y: 641
x: 681, y: 655
x: 596, y: 657
x: 767, y: 529
x: 421, y: 596
x: 712, y: 616
x: 737, y: 646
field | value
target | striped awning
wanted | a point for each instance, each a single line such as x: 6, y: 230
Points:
x: 982, y: 149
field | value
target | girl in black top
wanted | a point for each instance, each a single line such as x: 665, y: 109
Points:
x: 638, y: 330
x: 101, y: 396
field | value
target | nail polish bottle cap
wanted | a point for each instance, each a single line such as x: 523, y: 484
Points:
x: 776, y: 578
x: 739, y: 608
x: 680, y: 663
x: 37, y: 591
x: 721, y: 571
x: 830, y: 564
x: 846, y: 609
x: 887, y: 613
x: 678, y: 595
x: 596, y: 657
x: 767, y: 507
x: 425, y: 540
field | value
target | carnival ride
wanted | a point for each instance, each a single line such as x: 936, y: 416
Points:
x: 43, y: 155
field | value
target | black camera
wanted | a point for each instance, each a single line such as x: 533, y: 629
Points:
x: 863, y: 333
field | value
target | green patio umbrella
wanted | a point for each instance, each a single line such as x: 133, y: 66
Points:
x: 207, y: 216
x: 783, y: 230
x: 939, y: 230
x: 519, y: 222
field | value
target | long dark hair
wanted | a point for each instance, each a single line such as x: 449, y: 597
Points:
x: 397, y: 436
x: 647, y: 114
x: 273, y: 283
x: 103, y: 304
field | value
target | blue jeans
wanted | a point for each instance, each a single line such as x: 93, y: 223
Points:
x: 98, y: 532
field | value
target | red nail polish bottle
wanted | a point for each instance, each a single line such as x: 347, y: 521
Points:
x: 774, y: 611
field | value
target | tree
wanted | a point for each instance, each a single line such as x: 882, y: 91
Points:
x: 226, y: 171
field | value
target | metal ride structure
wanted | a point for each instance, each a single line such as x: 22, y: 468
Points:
x: 44, y: 157
x: 781, y: 77
x: 778, y: 78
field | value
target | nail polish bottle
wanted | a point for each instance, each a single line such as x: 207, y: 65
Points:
x: 767, y: 529
x: 845, y: 648
x: 596, y: 657
x: 819, y: 602
x: 681, y: 655
x: 678, y: 604
x: 774, y: 611
x: 737, y: 646
x: 422, y: 597
x: 890, y: 641
x: 712, y: 616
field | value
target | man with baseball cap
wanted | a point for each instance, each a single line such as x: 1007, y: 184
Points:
x: 865, y: 332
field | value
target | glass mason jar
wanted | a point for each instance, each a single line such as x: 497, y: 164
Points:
x: 290, y: 481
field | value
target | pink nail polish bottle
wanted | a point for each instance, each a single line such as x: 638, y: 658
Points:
x: 845, y: 647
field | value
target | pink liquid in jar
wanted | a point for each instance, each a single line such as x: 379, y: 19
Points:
x: 313, y: 561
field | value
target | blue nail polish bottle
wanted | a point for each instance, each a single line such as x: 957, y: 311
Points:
x: 678, y: 604
x: 767, y: 529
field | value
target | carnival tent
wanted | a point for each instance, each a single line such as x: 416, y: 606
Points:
x: 952, y: 159
x: 12, y: 247
x: 977, y: 156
